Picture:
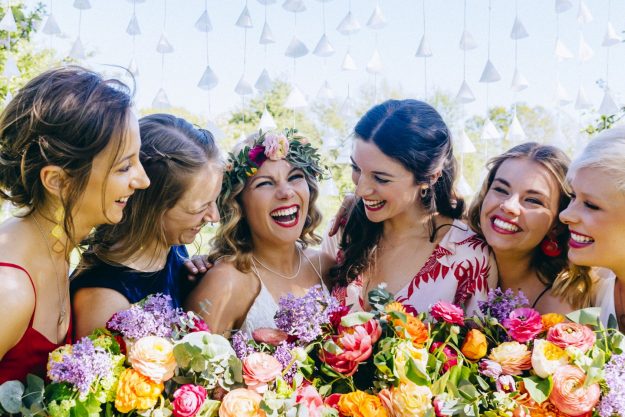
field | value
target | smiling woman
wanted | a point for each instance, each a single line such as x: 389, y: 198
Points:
x: 144, y: 253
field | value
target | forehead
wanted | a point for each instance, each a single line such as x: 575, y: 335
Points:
x: 273, y: 168
x: 202, y: 184
x: 525, y: 174
x: 595, y: 182
x: 369, y: 157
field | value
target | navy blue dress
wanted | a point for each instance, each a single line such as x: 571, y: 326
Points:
x: 136, y: 285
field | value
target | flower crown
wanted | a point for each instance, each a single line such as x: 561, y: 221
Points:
x: 290, y: 146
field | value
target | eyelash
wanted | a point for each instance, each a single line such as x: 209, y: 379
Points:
x: 529, y: 200
x: 355, y: 168
x: 381, y: 180
x: 126, y: 168
x: 586, y: 203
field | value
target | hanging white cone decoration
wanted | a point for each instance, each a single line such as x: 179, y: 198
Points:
x: 465, y: 95
x: 263, y: 83
x: 463, y: 187
x: 345, y: 151
x: 133, y: 67
x: 375, y: 66
x: 584, y: 52
x: 516, y: 134
x: 562, y: 6
x: 295, y: 99
x: 77, y: 51
x: 266, y: 36
x: 329, y: 188
x: 82, y: 4
x: 349, y: 25
x: 348, y: 63
x: 8, y: 21
x: 608, y: 107
x: 324, y: 48
x: 51, y: 27
x: 203, y: 24
x: 518, y: 30
x: 490, y: 73
x: 582, y: 102
x: 10, y: 67
x: 296, y: 48
x: 294, y: 6
x: 611, y: 38
x: 163, y: 46
x: 465, y: 146
x: 329, y: 142
x: 562, y: 95
x: 266, y: 121
x: 244, y: 20
x: 561, y: 51
x: 519, y: 82
x: 347, y: 109
x: 490, y: 131
x: 583, y: 14
x: 243, y: 87
x: 325, y: 91
x: 424, y: 49
x: 467, y: 42
x: 133, y: 28
x: 208, y: 80
x: 377, y: 19
x: 161, y: 101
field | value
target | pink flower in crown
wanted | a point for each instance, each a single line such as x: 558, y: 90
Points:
x: 447, y: 312
x: 276, y: 146
x: 257, y: 155
x: 523, y: 324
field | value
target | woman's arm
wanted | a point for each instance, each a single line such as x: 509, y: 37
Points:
x: 93, y: 307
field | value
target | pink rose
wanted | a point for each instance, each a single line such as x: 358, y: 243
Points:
x: 259, y: 369
x: 188, y: 400
x: 577, y: 335
x: 357, y: 345
x: 257, y: 155
x: 447, y: 312
x: 310, y: 398
x: 270, y: 336
x: 276, y: 146
x: 332, y: 400
x: 523, y: 324
x: 569, y: 394
x: 241, y: 402
x: 199, y: 325
x: 451, y: 357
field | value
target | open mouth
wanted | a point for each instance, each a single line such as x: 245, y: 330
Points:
x: 578, y: 240
x: 286, y: 216
x: 503, y: 226
x: 122, y: 200
x: 374, y: 205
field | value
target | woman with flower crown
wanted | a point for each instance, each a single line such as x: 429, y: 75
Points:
x: 268, y: 218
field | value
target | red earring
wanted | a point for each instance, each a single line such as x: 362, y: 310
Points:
x: 550, y: 247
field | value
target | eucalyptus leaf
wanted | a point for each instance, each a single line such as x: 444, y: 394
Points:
x: 331, y: 347
x: 589, y: 316
x: 538, y: 388
x: 11, y: 396
x: 354, y: 319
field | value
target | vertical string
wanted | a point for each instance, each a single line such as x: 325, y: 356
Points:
x: 208, y: 94
x: 425, y: 59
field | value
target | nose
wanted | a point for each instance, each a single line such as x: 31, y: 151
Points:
x: 568, y: 216
x: 211, y: 215
x: 511, y: 205
x: 285, y: 191
x: 140, y: 180
x: 362, y: 187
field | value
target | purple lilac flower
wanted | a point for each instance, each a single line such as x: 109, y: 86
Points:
x: 613, y: 403
x: 153, y: 317
x: 81, y: 365
x: 241, y: 346
x: 283, y: 355
x: 500, y: 304
x: 304, y: 317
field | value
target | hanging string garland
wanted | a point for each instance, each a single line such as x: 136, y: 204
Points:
x: 608, y: 106
x: 516, y: 134
x: 209, y: 79
x: 424, y: 51
x: 78, y: 51
x: 163, y: 47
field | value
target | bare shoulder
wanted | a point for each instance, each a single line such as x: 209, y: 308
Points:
x: 550, y: 303
x: 17, y: 307
x: 225, y: 278
x: 93, y: 307
x: 319, y: 257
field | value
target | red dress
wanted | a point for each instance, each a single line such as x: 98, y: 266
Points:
x: 30, y: 354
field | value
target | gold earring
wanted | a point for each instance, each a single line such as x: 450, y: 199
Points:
x: 57, y: 230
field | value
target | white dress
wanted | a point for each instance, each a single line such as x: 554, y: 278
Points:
x: 264, y: 307
x: 604, y: 294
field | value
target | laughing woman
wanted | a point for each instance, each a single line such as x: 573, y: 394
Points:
x: 260, y: 251
x: 595, y: 218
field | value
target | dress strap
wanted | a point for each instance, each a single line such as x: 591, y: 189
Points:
x: 317, y: 271
x: 32, y: 317
x: 547, y: 288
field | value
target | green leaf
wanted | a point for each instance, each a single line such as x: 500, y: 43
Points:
x: 34, y: 391
x: 482, y: 383
x: 354, y: 319
x: 589, y: 316
x: 11, y: 396
x: 331, y: 347
x: 58, y: 392
x: 538, y: 388
x: 415, y: 374
x: 438, y: 387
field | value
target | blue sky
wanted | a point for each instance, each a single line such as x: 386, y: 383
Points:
x: 103, y: 32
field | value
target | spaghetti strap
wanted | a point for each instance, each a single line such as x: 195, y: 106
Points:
x: 10, y: 265
x: 318, y: 272
x: 547, y: 288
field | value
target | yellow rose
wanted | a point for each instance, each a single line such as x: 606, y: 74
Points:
x: 404, y: 351
x: 135, y: 391
x: 551, y: 319
x: 153, y: 356
x: 513, y: 357
x: 547, y: 358
x: 475, y: 345
x: 360, y: 404
x: 410, y: 400
x: 241, y: 402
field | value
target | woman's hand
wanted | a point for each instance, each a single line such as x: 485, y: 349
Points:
x: 197, y: 267
x: 340, y: 218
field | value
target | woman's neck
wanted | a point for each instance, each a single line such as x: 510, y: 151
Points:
x: 411, y: 224
x: 515, y: 271
x: 151, y: 257
x: 280, y: 257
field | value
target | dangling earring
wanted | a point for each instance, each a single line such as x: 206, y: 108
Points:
x: 57, y: 230
x: 424, y: 191
x: 550, y: 247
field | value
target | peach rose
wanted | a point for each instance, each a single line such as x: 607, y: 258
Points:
x: 241, y: 402
x: 572, y: 334
x: 513, y: 357
x: 475, y: 345
x: 153, y: 356
x: 259, y: 369
x: 136, y: 392
x: 276, y: 146
x: 569, y: 394
x: 410, y: 400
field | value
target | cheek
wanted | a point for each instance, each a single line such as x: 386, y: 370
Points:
x: 355, y: 177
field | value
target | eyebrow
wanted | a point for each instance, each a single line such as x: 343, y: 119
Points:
x: 271, y: 177
x: 124, y: 159
x: 530, y: 191
x: 386, y: 174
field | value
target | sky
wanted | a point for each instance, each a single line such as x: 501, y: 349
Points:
x: 102, y: 30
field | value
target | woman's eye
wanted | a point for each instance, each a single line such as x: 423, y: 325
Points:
x: 125, y: 168
x: 591, y: 205
x: 263, y: 184
x: 500, y: 190
x: 296, y: 177
x: 535, y: 201
x: 381, y: 180
x: 355, y: 168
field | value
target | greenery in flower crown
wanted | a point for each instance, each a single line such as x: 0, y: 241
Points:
x: 244, y: 164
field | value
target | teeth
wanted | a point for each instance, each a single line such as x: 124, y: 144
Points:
x: 505, y: 225
x: 374, y: 203
x: 581, y: 239
x: 122, y: 200
x: 284, y: 212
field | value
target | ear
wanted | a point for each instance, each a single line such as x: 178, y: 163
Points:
x: 53, y: 178
x: 434, y: 177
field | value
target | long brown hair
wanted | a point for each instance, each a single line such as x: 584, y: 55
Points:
x: 569, y: 282
x: 172, y: 151
x: 63, y: 117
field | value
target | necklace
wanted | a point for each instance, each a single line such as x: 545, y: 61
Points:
x: 62, y: 295
x: 299, y: 267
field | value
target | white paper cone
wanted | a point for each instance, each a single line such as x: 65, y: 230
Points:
x: 348, y: 63
x: 329, y: 188
x: 561, y: 51
x: 345, y: 151
x: 375, y: 66
x: 518, y: 30
x: 8, y: 21
x: 77, y: 51
x: 562, y: 95
x: 295, y: 6
x: 243, y: 87
x: 611, y: 38
x: 296, y: 99
x: 161, y: 101
x: 563, y: 5
x: 263, y: 83
x: 349, y: 25
x: 208, y: 80
x: 266, y: 36
x: 10, y: 67
x: 584, y: 52
x: 133, y: 67
x: 519, y: 82
x: 203, y: 24
x: 490, y: 131
x: 608, y: 107
x: 133, y: 28
x: 424, y: 49
x: 377, y: 19
x: 490, y: 73
x: 51, y: 27
x: 347, y: 109
x: 463, y: 187
x: 82, y: 4
x: 465, y: 146
x: 467, y: 42
x: 325, y: 91
x: 163, y: 46
x: 465, y: 95
x: 244, y: 20
x: 328, y: 142
x: 583, y: 14
x: 516, y: 134
x: 582, y: 102
x: 296, y: 49
x: 266, y: 121
x: 324, y: 48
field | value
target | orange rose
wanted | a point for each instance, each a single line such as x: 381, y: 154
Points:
x: 551, y: 319
x: 413, y: 329
x: 361, y: 404
x: 241, y: 402
x: 136, y: 392
x: 475, y: 345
